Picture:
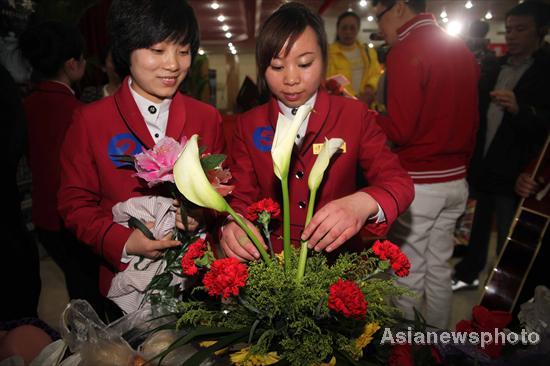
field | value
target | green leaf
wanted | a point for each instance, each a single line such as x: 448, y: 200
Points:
x: 134, y: 223
x: 211, y: 161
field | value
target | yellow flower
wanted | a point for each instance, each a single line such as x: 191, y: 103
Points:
x: 365, y: 338
x: 245, y: 358
x: 321, y: 163
x: 280, y: 258
x: 332, y: 362
x: 206, y: 344
x: 192, y: 182
x: 283, y: 141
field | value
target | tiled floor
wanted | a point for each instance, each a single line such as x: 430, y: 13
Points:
x: 54, y: 296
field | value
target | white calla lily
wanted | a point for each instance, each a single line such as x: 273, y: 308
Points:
x: 192, y: 181
x: 283, y: 141
x: 195, y: 186
x: 323, y: 159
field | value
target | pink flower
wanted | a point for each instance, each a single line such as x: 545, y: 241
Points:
x: 155, y: 165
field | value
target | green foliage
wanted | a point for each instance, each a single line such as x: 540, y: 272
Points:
x: 293, y: 318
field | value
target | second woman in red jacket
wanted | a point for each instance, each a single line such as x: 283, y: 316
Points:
x: 291, y: 58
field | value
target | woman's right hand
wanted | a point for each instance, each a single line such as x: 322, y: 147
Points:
x: 139, y: 244
x: 236, y: 244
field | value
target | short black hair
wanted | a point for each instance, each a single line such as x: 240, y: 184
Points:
x: 287, y: 23
x: 346, y: 15
x: 540, y: 12
x: 418, y: 6
x: 136, y: 24
x: 48, y: 45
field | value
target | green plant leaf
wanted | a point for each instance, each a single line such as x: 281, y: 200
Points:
x: 135, y: 223
x: 211, y: 161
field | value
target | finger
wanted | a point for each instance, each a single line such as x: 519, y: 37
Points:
x: 176, y: 203
x: 317, y: 219
x: 319, y: 234
x: 150, y: 225
x: 330, y: 237
x: 236, y: 240
x: 256, y: 233
x: 344, y: 236
x: 164, y: 244
x: 230, y: 253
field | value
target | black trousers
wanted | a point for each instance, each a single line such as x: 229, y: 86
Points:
x: 487, y: 205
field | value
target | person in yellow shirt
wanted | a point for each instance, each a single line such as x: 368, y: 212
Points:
x: 348, y: 57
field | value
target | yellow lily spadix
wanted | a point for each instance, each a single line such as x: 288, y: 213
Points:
x: 283, y: 141
x: 323, y: 159
x: 192, y: 181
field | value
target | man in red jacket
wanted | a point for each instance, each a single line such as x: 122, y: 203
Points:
x: 432, y: 121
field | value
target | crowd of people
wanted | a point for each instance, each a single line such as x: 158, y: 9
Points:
x: 458, y: 123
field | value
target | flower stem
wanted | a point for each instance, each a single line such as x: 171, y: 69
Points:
x: 267, y: 235
x: 286, y: 224
x: 250, y: 234
x: 303, y: 243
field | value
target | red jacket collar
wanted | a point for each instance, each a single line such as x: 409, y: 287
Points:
x: 421, y: 20
x: 133, y: 119
x: 316, y: 120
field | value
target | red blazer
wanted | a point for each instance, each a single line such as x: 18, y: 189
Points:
x: 366, y: 154
x: 49, y: 110
x: 93, y: 181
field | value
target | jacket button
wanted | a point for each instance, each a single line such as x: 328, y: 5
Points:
x: 299, y: 174
x: 302, y: 204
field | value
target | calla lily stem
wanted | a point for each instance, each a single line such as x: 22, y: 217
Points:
x: 250, y: 234
x: 287, y: 249
x: 303, y: 243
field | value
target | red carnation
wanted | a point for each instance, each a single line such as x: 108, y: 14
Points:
x: 195, y: 250
x: 387, y: 251
x: 226, y: 277
x: 267, y: 205
x: 346, y: 298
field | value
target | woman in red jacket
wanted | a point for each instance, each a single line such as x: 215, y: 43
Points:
x: 55, y: 52
x: 291, y: 55
x: 153, y: 42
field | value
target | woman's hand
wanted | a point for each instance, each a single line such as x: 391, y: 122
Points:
x: 507, y: 99
x: 139, y: 244
x: 236, y: 244
x: 338, y: 221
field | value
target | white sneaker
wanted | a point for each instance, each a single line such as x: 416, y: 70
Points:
x: 461, y: 285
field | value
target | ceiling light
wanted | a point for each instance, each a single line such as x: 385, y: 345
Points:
x: 228, y: 35
x: 230, y: 45
x: 445, y: 20
x: 233, y: 51
x: 363, y: 3
x: 215, y: 5
x: 489, y: 15
x: 468, y: 5
x: 443, y: 14
x: 370, y: 18
x: 201, y: 51
x: 225, y: 27
x: 454, y: 28
x: 371, y: 45
x: 221, y: 18
x: 350, y: 9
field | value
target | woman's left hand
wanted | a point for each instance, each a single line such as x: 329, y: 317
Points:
x: 338, y: 221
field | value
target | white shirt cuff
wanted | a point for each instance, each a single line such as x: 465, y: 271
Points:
x: 125, y: 258
x: 379, y: 217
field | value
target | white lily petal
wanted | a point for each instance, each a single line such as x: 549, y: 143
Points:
x: 192, y: 181
x: 283, y: 141
x: 323, y: 159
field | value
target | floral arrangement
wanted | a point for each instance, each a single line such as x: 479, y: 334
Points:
x: 287, y: 308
